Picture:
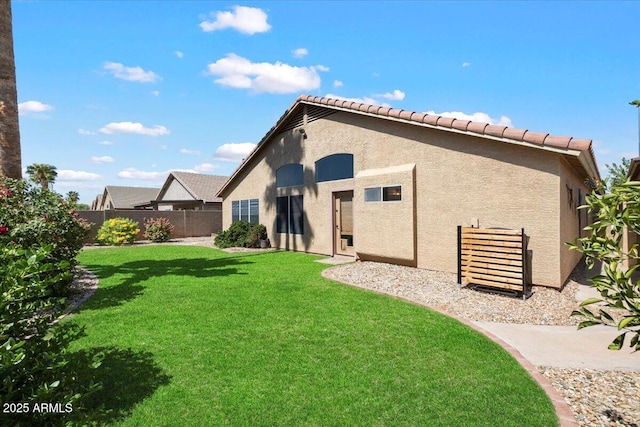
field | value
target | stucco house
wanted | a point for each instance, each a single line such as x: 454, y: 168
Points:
x: 340, y: 177
x: 190, y: 191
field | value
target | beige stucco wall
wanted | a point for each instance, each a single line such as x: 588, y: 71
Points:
x: 570, y: 186
x: 459, y: 180
x: 386, y: 230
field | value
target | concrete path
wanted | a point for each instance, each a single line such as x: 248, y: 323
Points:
x: 565, y: 346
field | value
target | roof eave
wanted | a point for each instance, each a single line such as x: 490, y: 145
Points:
x: 586, y: 156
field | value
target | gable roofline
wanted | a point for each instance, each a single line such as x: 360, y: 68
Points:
x: 184, y: 180
x: 634, y: 169
x: 170, y: 178
x: 580, y: 149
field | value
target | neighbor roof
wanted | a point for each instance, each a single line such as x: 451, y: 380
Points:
x: 128, y: 197
x: 634, y: 169
x: 578, y: 152
x: 201, y: 186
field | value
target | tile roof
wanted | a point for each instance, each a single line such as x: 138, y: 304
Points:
x: 467, y: 126
x: 201, y: 186
x: 578, y: 152
x: 128, y: 197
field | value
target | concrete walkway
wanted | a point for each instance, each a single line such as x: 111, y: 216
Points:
x: 565, y: 346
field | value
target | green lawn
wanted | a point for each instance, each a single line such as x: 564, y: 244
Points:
x: 197, y: 336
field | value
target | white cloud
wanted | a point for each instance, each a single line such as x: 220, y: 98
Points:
x: 238, y: 72
x: 300, y: 52
x: 132, y: 74
x: 163, y: 146
x: 33, y: 107
x: 179, y: 54
x: 465, y: 64
x: 71, y: 175
x: 187, y: 151
x: 247, y: 20
x: 85, y: 132
x: 102, y: 159
x: 337, y: 83
x: 105, y: 143
x: 396, y: 95
x: 155, y: 93
x: 233, y: 152
x: 135, y: 128
x: 475, y: 117
x: 205, y: 167
x: 365, y: 100
x: 133, y: 173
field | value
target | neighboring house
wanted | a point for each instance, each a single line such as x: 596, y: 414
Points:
x: 118, y: 198
x: 190, y: 191
x: 96, y: 205
x: 340, y: 177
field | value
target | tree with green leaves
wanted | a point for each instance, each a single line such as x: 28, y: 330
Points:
x: 43, y: 174
x: 616, y: 206
x: 73, y: 197
x: 618, y: 172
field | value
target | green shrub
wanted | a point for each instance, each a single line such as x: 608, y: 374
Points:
x: 40, y: 236
x: 117, y: 231
x: 615, y: 203
x: 31, y: 217
x: 158, y: 229
x: 34, y: 364
x: 241, y: 234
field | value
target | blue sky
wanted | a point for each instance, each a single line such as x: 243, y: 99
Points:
x: 121, y: 92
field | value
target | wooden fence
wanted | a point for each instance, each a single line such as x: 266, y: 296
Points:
x: 495, y: 259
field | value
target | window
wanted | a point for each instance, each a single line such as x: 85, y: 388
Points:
x: 372, y: 194
x: 245, y: 210
x: 392, y: 194
x: 290, y: 214
x: 253, y: 211
x: 290, y: 175
x: 386, y: 194
x: 333, y: 167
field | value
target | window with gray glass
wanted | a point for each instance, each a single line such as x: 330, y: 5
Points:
x: 385, y: 194
x: 290, y: 175
x: 334, y: 167
x: 290, y: 214
x: 245, y: 210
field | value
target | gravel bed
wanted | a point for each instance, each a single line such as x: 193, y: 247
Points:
x: 596, y: 398
x: 439, y: 289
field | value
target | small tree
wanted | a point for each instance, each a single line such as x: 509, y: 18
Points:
x: 43, y: 174
x: 617, y: 173
x: 616, y: 205
x: 73, y: 197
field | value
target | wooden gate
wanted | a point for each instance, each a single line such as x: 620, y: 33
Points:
x: 495, y: 259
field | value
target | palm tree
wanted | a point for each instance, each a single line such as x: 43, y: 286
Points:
x: 73, y: 197
x: 636, y: 103
x: 43, y: 174
x: 10, y: 157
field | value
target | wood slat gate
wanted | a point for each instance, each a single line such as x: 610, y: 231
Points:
x: 494, y: 259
